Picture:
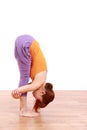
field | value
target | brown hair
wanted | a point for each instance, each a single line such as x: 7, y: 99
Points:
x: 46, y: 98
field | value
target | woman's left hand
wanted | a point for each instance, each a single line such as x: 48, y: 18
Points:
x: 16, y: 94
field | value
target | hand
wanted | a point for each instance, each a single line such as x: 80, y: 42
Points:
x: 16, y: 94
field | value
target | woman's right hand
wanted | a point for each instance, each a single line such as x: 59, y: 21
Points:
x: 16, y: 94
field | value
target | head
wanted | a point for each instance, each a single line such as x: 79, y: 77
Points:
x: 44, y: 95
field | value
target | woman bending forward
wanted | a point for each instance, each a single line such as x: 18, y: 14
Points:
x: 32, y: 64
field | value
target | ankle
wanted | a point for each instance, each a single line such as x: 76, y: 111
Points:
x: 23, y: 109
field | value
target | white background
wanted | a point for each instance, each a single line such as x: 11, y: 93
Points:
x: 60, y: 26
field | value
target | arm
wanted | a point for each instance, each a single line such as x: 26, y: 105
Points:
x: 40, y: 79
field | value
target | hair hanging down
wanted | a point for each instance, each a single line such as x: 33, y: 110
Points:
x: 46, y: 98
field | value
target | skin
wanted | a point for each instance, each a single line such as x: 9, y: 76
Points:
x: 37, y: 89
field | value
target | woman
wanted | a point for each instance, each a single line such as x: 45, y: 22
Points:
x: 32, y: 64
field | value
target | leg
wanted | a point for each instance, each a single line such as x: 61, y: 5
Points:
x: 24, y: 111
x: 24, y: 63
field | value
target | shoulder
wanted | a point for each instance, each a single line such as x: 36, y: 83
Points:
x: 40, y: 77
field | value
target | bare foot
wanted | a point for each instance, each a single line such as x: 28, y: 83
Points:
x: 29, y: 113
